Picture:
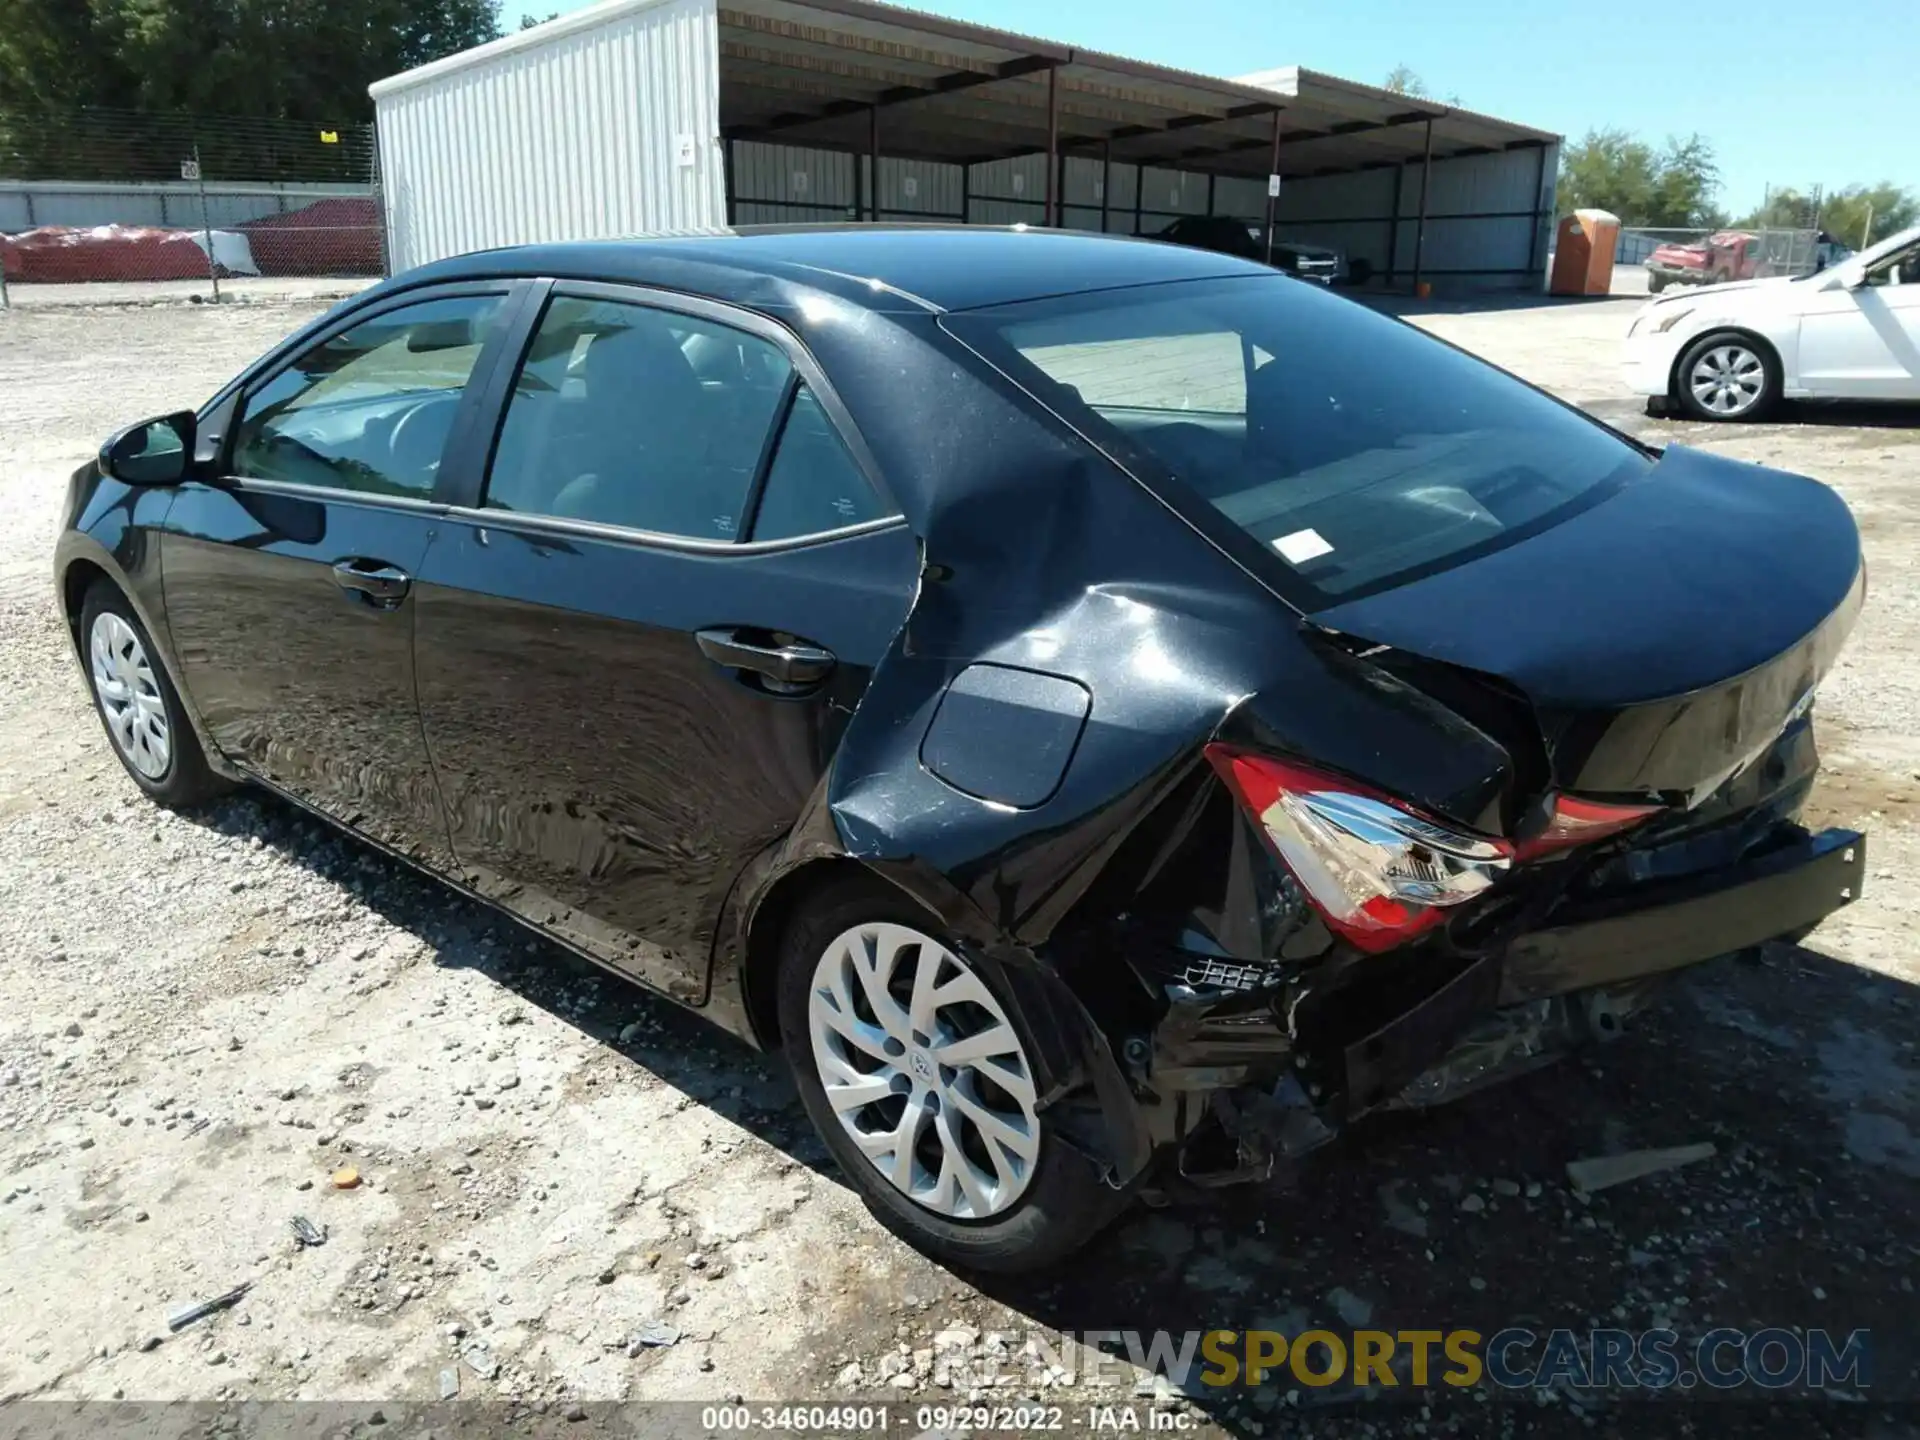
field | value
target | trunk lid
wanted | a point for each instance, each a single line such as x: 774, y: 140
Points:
x: 1662, y: 637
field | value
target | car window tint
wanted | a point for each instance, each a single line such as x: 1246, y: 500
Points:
x: 628, y: 415
x: 370, y: 409
x: 813, y: 484
x: 1354, y: 449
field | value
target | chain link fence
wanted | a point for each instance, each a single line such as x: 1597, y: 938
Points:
x: 208, y: 207
x: 1672, y: 258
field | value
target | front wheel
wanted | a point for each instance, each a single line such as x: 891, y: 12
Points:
x: 142, y: 713
x: 917, y: 1075
x: 1656, y: 283
x: 1727, y: 377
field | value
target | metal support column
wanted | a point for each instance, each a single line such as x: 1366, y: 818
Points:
x: 1393, y: 225
x: 966, y: 193
x: 727, y: 176
x: 873, y: 162
x: 1106, y: 182
x: 1273, y: 201
x: 1420, y: 226
x: 1539, y: 188
x: 1053, y: 145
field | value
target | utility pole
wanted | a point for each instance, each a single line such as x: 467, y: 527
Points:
x: 206, y: 224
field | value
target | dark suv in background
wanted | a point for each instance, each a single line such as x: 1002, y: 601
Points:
x: 1228, y: 236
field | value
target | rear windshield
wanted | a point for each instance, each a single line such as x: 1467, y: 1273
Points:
x: 1356, y: 450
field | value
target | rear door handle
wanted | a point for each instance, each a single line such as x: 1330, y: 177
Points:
x: 794, y: 664
x: 377, y: 582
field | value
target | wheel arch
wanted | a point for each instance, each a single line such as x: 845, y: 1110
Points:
x: 765, y: 925
x: 75, y: 581
x: 80, y: 563
x: 1710, y: 332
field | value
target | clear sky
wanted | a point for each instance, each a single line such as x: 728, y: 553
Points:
x: 1789, y: 92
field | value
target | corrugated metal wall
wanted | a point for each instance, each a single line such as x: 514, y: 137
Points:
x: 920, y: 190
x: 1480, y: 225
x: 608, y: 129
x: 796, y: 185
x: 1479, y: 217
x: 791, y: 184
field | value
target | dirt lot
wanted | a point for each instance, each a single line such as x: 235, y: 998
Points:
x: 202, y: 1018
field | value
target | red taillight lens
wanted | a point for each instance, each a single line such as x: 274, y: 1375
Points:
x: 1573, y: 821
x: 1377, y: 873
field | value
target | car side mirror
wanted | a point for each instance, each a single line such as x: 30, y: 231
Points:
x: 154, y: 452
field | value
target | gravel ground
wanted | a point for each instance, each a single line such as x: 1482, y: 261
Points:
x: 203, y: 1018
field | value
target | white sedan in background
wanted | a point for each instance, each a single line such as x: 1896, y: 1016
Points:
x: 1730, y: 352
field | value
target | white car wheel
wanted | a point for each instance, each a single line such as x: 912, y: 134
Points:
x: 923, y: 1071
x: 1726, y: 377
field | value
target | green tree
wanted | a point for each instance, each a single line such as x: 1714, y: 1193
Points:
x: 1616, y: 171
x: 306, y: 60
x: 1861, y: 214
x: 1856, y: 215
x: 527, y: 22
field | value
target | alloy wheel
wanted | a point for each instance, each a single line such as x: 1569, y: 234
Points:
x: 130, y: 695
x: 923, y: 1070
x: 1728, y: 380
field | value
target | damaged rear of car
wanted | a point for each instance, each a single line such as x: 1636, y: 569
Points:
x: 1299, y: 717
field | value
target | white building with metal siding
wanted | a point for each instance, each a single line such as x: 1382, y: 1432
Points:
x: 638, y: 116
x: 603, y: 122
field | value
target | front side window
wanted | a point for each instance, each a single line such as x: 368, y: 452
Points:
x: 628, y: 415
x: 370, y: 409
x: 1355, y: 450
x: 1902, y: 268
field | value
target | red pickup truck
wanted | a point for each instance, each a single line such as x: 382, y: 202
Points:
x: 1726, y: 255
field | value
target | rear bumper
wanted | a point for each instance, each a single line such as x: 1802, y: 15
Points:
x: 1786, y: 891
x: 1496, y: 1016
x: 1617, y: 943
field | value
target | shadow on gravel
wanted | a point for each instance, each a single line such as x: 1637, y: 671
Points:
x: 746, y: 1087
x: 1800, y: 1069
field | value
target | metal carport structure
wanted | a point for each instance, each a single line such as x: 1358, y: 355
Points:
x: 638, y: 115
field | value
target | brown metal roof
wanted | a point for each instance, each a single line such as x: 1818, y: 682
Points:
x: 819, y: 72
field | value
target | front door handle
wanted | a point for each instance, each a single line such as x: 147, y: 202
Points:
x: 378, y: 583
x: 790, y: 664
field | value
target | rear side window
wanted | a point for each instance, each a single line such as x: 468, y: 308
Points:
x: 813, y: 485
x: 629, y: 415
x: 371, y: 408
x: 1355, y: 450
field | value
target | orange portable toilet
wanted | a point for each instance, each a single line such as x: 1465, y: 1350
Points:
x: 1583, y: 254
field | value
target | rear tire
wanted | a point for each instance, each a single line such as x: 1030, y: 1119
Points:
x: 1727, y: 376
x: 963, y: 1196
x: 138, y: 706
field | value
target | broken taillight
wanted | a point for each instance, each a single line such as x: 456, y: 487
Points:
x: 1378, y: 874
x: 1572, y: 821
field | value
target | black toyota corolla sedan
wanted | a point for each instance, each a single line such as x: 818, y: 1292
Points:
x: 1109, y: 713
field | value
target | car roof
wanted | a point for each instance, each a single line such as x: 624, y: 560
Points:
x: 928, y: 268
